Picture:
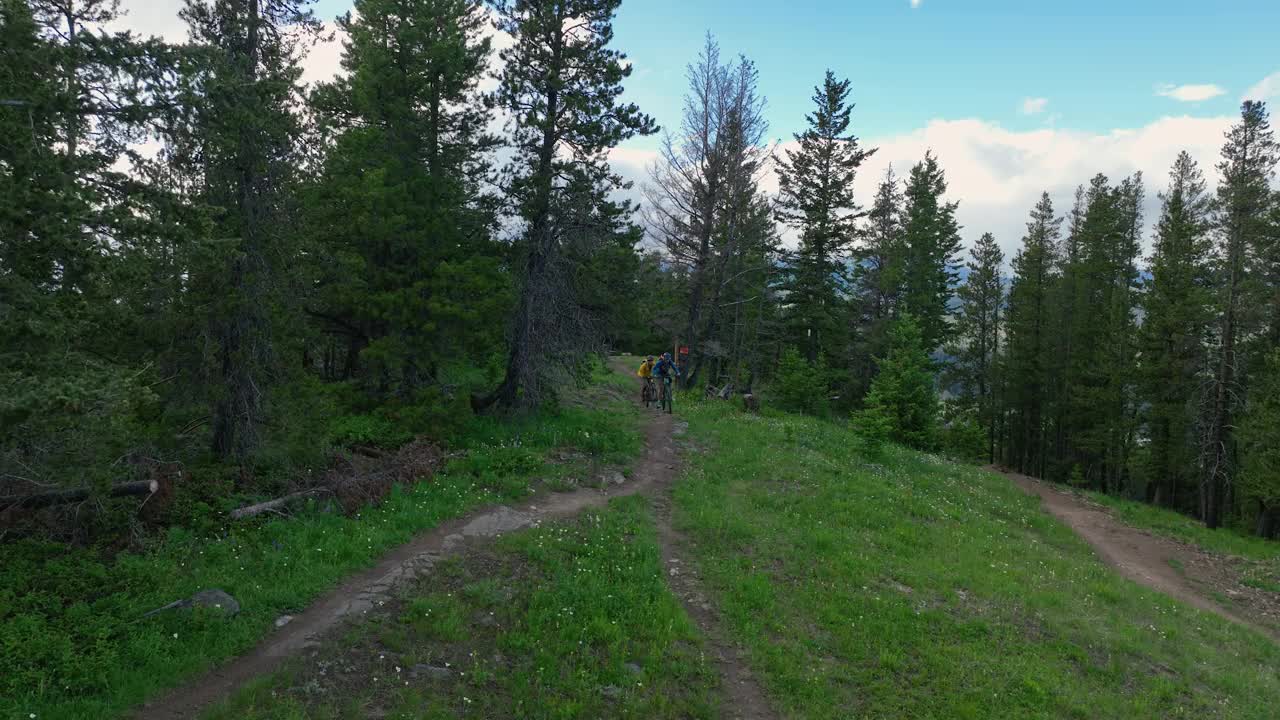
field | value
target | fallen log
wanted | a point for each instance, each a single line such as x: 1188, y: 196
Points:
x: 63, y: 497
x: 369, y: 452
x: 268, y: 506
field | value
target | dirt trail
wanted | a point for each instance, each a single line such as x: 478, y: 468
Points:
x: 743, y: 699
x: 366, y: 590
x: 1150, y: 560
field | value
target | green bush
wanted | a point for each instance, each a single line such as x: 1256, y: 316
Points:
x: 800, y: 386
x: 962, y: 436
x: 367, y: 429
x: 903, y: 396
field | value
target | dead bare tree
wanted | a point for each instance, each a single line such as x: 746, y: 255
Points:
x: 702, y: 189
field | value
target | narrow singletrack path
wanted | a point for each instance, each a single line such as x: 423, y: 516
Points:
x: 364, y: 591
x: 1145, y: 558
x: 743, y: 698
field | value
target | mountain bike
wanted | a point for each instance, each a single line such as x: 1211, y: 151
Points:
x: 649, y: 394
x: 664, y: 400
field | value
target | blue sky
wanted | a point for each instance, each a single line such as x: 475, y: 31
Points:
x: 1016, y: 97
x: 1097, y: 62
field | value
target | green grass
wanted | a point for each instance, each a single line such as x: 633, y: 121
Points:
x: 563, y: 621
x: 914, y: 587
x: 73, y: 643
x: 1180, y: 527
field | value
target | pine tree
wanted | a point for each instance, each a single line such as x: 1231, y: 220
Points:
x: 70, y: 225
x: 1099, y: 382
x: 1174, y: 331
x: 246, y: 136
x: 561, y: 82
x: 1259, y: 428
x: 815, y: 197
x: 1066, y: 297
x: 877, y: 280
x: 800, y: 386
x: 903, y: 398
x: 414, y: 276
x: 1028, y: 348
x: 1248, y: 160
x: 976, y: 339
x: 931, y: 240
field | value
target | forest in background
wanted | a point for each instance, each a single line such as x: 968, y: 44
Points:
x: 437, y: 233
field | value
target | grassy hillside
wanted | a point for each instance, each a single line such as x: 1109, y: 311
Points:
x: 914, y: 587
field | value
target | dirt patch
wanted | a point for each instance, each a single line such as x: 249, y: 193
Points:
x: 1188, y: 573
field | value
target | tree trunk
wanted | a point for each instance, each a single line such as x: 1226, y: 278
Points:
x: 63, y: 497
x: 270, y: 505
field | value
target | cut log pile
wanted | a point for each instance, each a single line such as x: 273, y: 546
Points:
x: 363, y: 477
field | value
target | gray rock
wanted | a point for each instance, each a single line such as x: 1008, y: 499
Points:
x: 213, y: 599
x: 431, y: 672
x: 217, y: 600
x: 633, y: 668
x: 612, y: 477
x: 283, y: 620
x: 613, y: 692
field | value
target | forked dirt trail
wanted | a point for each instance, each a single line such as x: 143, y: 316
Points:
x: 1150, y: 560
x: 364, y: 591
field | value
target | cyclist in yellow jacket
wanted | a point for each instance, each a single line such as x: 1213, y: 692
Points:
x: 646, y: 372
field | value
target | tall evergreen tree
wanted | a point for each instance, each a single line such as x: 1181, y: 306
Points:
x: 976, y: 340
x: 1259, y: 428
x: 246, y: 134
x: 815, y: 197
x: 414, y: 277
x: 1099, y: 415
x: 1174, y: 332
x: 74, y: 97
x: 1029, y: 346
x: 877, y: 281
x: 561, y: 83
x: 1248, y: 160
x: 931, y: 241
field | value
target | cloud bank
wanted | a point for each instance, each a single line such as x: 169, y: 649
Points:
x: 1267, y: 89
x: 997, y: 174
x: 1190, y: 93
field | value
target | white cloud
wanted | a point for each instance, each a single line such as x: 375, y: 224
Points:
x: 1034, y: 106
x: 324, y: 59
x: 1190, y: 93
x: 1266, y: 89
x: 915, y: 3
x: 152, y: 18
x: 998, y: 174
